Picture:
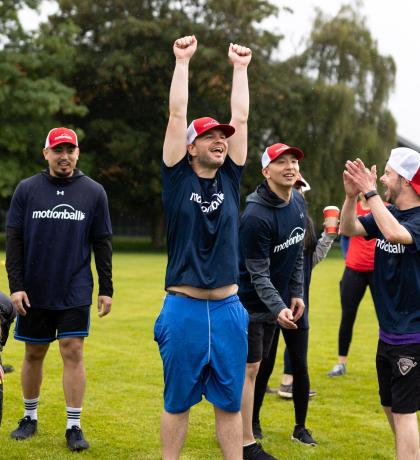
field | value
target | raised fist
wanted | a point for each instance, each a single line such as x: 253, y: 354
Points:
x: 185, y: 47
x: 239, y: 54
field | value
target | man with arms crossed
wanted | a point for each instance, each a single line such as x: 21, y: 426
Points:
x: 396, y: 287
x: 272, y: 231
x: 55, y: 218
x: 201, y: 330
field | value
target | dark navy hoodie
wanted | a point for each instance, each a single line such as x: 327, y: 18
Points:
x: 58, y: 219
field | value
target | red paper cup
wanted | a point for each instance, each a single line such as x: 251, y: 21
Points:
x: 331, y: 216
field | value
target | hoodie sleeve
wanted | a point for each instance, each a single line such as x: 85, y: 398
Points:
x: 15, y: 241
x: 255, y: 238
x: 14, y: 259
x: 102, y: 249
x: 322, y: 248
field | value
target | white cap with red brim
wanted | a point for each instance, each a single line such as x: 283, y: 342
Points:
x: 406, y: 162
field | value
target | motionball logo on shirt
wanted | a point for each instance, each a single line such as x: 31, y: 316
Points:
x: 296, y: 236
x: 208, y: 206
x: 59, y: 212
x: 389, y: 247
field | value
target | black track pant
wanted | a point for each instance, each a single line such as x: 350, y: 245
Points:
x: 352, y: 289
x: 297, y: 344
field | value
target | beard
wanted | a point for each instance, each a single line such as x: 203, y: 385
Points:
x: 58, y: 172
x: 390, y: 196
x: 211, y: 163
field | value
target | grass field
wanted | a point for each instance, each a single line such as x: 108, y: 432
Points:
x: 124, y: 392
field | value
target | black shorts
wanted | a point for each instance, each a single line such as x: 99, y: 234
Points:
x: 260, y: 338
x: 41, y: 325
x: 398, y: 368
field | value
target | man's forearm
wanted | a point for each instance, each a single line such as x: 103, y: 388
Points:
x: 389, y: 226
x: 259, y: 270
x: 349, y: 217
x: 102, y: 249
x: 178, y: 95
x: 15, y: 259
x: 240, y: 94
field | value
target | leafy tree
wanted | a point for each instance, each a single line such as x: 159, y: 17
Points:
x: 336, y: 105
x: 122, y: 72
x: 32, y: 99
x: 115, y: 58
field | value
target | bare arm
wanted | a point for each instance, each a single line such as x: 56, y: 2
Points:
x: 389, y: 226
x: 175, y: 144
x: 240, y: 57
x: 349, y: 223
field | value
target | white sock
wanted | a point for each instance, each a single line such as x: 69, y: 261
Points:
x: 250, y: 444
x: 73, y: 416
x: 31, y: 408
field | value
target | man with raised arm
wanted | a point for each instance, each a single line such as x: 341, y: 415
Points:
x: 202, y: 327
x: 396, y: 287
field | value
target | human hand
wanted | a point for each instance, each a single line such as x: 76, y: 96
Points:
x: 350, y: 186
x: 185, y: 47
x: 104, y: 305
x: 297, y: 306
x: 239, y: 55
x: 363, y: 178
x: 285, y: 319
x: 19, y: 298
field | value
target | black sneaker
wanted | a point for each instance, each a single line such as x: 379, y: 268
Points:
x: 26, y: 429
x: 304, y: 436
x: 286, y: 391
x: 75, y: 439
x: 257, y: 431
x: 256, y: 452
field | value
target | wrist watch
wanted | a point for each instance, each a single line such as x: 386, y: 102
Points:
x: 370, y: 194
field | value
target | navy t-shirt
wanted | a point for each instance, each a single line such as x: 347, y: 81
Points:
x: 274, y: 233
x: 201, y: 225
x: 57, y: 220
x: 396, y: 287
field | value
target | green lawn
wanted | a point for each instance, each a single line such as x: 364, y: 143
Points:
x: 124, y: 392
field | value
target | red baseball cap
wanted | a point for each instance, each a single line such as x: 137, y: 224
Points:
x: 406, y: 162
x: 60, y: 136
x: 201, y: 125
x: 274, y: 151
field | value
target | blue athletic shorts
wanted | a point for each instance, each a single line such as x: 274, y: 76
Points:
x: 203, y: 345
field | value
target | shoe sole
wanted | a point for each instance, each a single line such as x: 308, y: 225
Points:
x: 18, y: 438
x: 77, y: 449
x: 303, y: 443
x: 285, y: 395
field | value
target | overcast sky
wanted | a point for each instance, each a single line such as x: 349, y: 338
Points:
x: 393, y: 23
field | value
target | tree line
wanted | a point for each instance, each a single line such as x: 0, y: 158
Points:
x: 104, y: 68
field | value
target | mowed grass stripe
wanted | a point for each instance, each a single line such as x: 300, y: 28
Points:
x: 125, y: 385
